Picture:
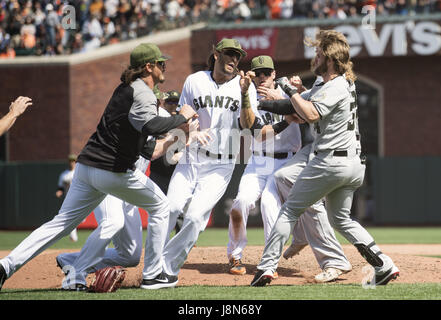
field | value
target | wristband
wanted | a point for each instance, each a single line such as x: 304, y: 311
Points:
x: 246, y: 100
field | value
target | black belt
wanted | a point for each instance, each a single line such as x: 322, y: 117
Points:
x: 215, y: 155
x: 337, y: 153
x: 277, y: 155
x: 344, y: 153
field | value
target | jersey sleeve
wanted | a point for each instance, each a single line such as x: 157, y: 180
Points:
x: 186, y: 96
x: 325, y: 100
x: 144, y: 107
x: 306, y: 94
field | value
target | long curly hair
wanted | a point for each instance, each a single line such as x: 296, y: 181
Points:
x: 335, y: 47
x: 130, y: 74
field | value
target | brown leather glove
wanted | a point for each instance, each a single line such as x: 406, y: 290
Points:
x: 108, y: 279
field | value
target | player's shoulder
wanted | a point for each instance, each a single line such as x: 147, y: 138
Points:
x: 140, y: 87
x: 200, y: 76
x: 339, y: 85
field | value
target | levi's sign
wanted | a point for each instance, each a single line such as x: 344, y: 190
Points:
x: 258, y: 41
x: 407, y: 38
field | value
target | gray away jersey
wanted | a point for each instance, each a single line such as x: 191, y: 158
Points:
x: 338, y: 124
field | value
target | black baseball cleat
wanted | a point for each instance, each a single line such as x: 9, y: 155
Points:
x: 262, y: 278
x: 383, y: 279
x: 3, y: 276
x: 162, y: 280
x: 75, y: 287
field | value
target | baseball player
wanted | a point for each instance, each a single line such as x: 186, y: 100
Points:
x: 224, y: 103
x: 257, y: 181
x: 161, y: 169
x: 335, y: 169
x: 124, y: 218
x: 106, y: 166
x: 64, y: 182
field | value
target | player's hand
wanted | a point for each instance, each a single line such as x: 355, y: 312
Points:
x: 20, y: 105
x: 294, y: 118
x: 203, y: 137
x: 297, y: 82
x: 191, y: 125
x: 269, y: 94
x: 59, y: 193
x: 245, y: 80
x: 188, y: 112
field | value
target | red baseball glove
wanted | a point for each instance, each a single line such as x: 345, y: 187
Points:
x: 108, y: 279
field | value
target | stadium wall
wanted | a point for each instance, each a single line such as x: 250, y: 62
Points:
x: 70, y: 93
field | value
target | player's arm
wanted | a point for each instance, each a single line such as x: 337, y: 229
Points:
x: 304, y: 108
x: 247, y: 116
x: 269, y: 131
x: 143, y: 116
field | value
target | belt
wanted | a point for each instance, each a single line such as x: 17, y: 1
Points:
x: 215, y: 155
x: 337, y: 153
x: 344, y: 153
x: 277, y: 155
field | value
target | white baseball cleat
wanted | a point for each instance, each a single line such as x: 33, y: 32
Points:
x: 328, y: 275
x: 382, y: 279
x: 293, y: 249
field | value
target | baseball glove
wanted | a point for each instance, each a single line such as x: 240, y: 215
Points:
x: 108, y: 279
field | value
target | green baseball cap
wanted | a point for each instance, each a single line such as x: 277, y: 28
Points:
x: 172, y: 96
x: 262, y: 62
x: 146, y: 52
x: 230, y: 44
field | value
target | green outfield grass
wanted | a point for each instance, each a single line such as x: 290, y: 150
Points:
x: 219, y: 237
x: 333, y: 291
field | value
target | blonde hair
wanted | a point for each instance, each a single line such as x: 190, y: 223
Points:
x: 335, y: 47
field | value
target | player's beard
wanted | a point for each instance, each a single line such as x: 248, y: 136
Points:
x: 319, y: 70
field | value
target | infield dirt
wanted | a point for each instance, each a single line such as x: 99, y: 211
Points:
x: 209, y: 266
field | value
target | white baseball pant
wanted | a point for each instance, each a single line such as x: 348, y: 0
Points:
x: 89, y: 187
x: 195, y: 188
x: 256, y: 182
x: 127, y: 237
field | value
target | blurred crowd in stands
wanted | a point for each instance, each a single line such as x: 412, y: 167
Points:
x: 38, y: 27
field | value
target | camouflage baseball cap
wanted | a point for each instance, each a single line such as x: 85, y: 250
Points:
x: 230, y: 44
x: 262, y: 62
x: 146, y: 52
x: 172, y: 96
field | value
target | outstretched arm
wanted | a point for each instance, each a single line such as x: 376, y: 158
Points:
x: 15, y: 110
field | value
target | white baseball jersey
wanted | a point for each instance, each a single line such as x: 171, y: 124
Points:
x: 218, y: 107
x: 289, y: 140
x: 335, y: 104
